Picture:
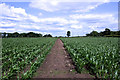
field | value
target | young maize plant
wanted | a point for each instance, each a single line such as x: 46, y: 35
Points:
x: 99, y: 55
x: 20, y: 53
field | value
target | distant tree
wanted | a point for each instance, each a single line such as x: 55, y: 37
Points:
x: 101, y: 34
x: 94, y: 33
x: 40, y: 35
x: 23, y: 35
x: 10, y: 35
x: 68, y: 33
x: 15, y: 34
x: 60, y: 36
x: 47, y: 35
x: 31, y: 34
x: 119, y: 32
x: 112, y: 33
x: 4, y: 34
x: 107, y: 31
x: 87, y: 34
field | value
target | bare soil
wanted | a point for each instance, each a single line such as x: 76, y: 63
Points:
x: 58, y: 64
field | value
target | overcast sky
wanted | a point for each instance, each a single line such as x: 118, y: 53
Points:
x: 57, y: 17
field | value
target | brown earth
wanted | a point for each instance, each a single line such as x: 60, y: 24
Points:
x: 59, y: 65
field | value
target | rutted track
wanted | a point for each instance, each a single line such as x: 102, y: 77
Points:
x: 58, y: 65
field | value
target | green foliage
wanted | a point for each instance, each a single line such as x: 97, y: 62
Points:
x: 16, y: 34
x: 106, y: 33
x: 68, y: 33
x: 99, y: 55
x: 94, y: 33
x: 19, y: 53
x: 47, y: 35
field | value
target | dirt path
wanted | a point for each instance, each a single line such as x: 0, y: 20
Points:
x: 58, y: 65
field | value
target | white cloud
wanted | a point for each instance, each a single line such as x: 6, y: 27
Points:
x: 88, y: 6
x: 33, y: 18
x: 53, y: 28
x: 40, y: 14
x: 55, y: 19
x: 11, y: 11
x: 7, y: 30
x: 51, y: 20
x: 76, y: 26
x: 44, y: 5
x: 55, y: 5
x: 5, y: 24
x: 90, y: 16
x: 26, y: 26
x: 18, y: 11
x: 94, y: 21
x: 95, y: 17
x: 73, y: 21
x: 19, y: 14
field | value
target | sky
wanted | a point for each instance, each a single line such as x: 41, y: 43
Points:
x: 56, y: 17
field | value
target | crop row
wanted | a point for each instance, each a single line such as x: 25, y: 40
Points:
x: 100, y: 56
x: 19, y: 53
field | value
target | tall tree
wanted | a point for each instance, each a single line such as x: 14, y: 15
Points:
x: 94, y: 33
x: 31, y: 34
x: 68, y: 33
x: 107, y: 31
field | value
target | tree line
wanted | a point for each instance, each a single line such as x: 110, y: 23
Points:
x: 106, y: 33
x: 29, y: 34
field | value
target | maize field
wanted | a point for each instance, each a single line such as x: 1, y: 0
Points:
x: 19, y: 54
x: 100, y: 56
